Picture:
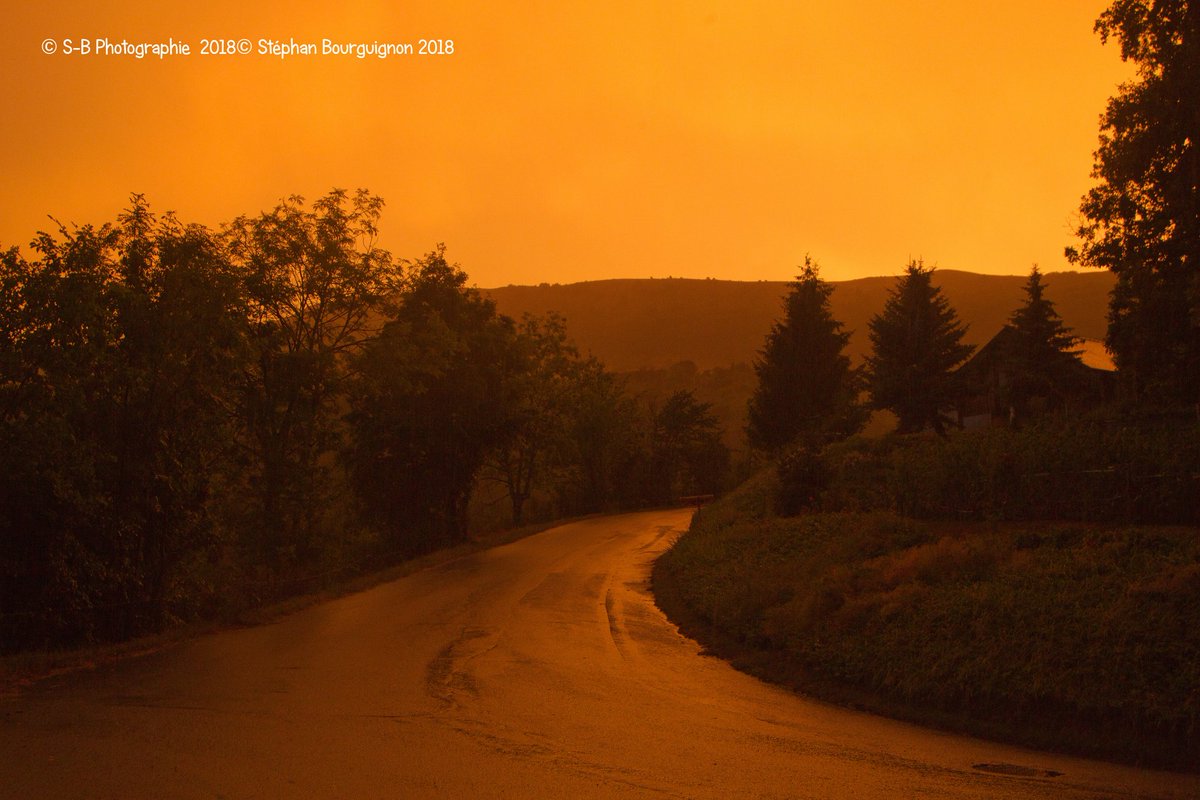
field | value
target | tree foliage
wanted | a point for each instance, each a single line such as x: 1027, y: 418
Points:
x: 806, y: 386
x: 687, y: 456
x: 604, y: 438
x: 1142, y: 218
x: 119, y: 352
x: 436, y: 396
x: 546, y: 384
x: 916, y: 342
x: 193, y: 420
x: 315, y: 285
x: 1044, y: 366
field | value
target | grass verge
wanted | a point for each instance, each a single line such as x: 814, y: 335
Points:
x: 1079, y: 637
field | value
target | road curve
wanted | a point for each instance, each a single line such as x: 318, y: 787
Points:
x: 538, y: 669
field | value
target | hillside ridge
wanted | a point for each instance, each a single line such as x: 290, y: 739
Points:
x: 637, y: 323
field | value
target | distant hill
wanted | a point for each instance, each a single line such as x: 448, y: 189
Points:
x: 655, y: 323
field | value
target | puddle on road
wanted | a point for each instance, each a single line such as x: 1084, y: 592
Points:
x: 1016, y: 770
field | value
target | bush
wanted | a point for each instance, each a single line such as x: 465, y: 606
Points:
x: 804, y: 475
x: 1086, y: 471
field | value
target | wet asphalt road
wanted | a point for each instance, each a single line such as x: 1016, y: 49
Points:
x: 538, y: 669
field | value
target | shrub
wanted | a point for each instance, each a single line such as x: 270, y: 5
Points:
x: 1084, y: 471
x: 804, y: 475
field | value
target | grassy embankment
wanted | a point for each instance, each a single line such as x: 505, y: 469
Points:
x: 1074, y: 635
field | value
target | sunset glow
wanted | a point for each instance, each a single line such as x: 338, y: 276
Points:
x: 559, y: 143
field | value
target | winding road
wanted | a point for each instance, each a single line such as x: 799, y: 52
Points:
x: 538, y: 669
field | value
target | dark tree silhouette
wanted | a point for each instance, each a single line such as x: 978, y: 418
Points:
x: 193, y: 421
x: 602, y: 430
x: 687, y: 454
x: 806, y: 386
x: 548, y: 376
x: 119, y: 347
x: 916, y: 344
x: 435, y: 396
x: 315, y: 285
x: 1039, y: 352
x: 1142, y: 219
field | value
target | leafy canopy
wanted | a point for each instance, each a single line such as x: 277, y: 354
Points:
x: 1142, y: 218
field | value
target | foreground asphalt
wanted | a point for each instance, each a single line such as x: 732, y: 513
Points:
x: 539, y: 669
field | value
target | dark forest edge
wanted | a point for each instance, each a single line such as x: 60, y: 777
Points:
x: 194, y: 422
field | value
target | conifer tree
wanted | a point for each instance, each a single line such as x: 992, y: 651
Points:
x: 916, y: 344
x: 806, y: 387
x: 1040, y: 351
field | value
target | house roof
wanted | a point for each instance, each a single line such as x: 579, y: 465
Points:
x: 1092, y: 353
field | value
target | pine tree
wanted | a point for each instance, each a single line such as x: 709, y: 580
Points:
x: 1040, y: 351
x: 806, y: 387
x: 916, y: 344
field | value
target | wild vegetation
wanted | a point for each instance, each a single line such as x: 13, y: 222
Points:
x: 1053, y: 633
x: 1041, y: 355
x: 648, y: 331
x: 196, y: 420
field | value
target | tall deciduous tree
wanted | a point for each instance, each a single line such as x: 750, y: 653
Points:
x: 687, y: 455
x: 603, y: 427
x: 548, y: 371
x: 1040, y: 351
x: 315, y: 283
x: 1142, y: 219
x: 806, y: 386
x: 916, y: 344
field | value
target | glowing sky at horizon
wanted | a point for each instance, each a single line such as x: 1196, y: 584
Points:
x: 564, y: 142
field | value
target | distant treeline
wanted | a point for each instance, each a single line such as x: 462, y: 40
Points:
x: 193, y: 420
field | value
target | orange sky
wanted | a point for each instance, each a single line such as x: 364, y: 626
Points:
x: 562, y: 142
